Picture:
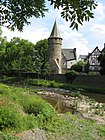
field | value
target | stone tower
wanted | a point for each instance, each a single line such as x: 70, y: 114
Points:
x: 54, y: 50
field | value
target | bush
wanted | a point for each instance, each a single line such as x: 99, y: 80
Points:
x: 9, y: 117
x: 53, y: 84
x: 37, y: 82
x: 71, y: 75
x: 38, y: 108
x: 9, y: 80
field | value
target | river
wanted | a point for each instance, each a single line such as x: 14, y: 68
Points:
x: 99, y: 97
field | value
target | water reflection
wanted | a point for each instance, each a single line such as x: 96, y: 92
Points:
x: 58, y: 105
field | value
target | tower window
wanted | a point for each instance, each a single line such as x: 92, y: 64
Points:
x: 58, y: 60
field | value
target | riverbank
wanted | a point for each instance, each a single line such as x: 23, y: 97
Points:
x: 27, y: 115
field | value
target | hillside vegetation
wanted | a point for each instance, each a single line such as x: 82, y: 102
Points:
x: 21, y: 109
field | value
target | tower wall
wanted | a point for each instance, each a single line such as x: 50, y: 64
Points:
x: 54, y: 54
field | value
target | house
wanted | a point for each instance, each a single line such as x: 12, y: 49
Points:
x: 82, y: 58
x: 92, y: 60
x: 68, y: 58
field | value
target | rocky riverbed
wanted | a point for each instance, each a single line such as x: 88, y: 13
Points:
x: 76, y: 104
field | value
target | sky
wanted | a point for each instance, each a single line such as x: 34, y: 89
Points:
x: 90, y: 35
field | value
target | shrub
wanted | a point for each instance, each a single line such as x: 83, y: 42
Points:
x: 53, y: 84
x: 71, y: 75
x: 4, y: 89
x: 80, y: 67
x: 38, y: 107
x: 9, y: 80
x: 37, y: 82
x: 9, y: 117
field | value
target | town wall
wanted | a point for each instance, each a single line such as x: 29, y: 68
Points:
x: 90, y: 80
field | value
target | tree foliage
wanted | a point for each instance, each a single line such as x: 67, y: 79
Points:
x: 80, y: 66
x: 16, y: 13
x: 75, y: 11
x: 20, y: 55
x: 41, y: 51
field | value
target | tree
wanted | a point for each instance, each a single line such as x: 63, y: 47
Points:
x: 102, y: 63
x: 3, y: 42
x: 78, y: 67
x: 18, y: 56
x: 17, y: 12
x: 41, y: 62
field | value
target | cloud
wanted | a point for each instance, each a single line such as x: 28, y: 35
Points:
x: 32, y: 34
x: 99, y: 30
x: 37, y: 30
x: 100, y: 11
x: 75, y: 40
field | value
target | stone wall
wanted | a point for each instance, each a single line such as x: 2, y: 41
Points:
x: 90, y: 80
x: 57, y: 77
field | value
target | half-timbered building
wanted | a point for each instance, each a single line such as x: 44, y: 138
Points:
x: 94, y: 64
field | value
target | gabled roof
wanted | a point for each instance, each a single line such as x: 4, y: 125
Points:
x: 94, y: 51
x: 69, y: 54
x: 55, y: 31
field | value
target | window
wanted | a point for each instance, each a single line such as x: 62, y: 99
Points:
x: 58, y: 60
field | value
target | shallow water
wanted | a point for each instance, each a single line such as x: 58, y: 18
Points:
x: 97, y: 96
x: 58, y: 105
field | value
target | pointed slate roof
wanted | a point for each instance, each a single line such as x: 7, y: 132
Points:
x: 55, y: 31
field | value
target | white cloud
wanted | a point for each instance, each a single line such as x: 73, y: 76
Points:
x: 32, y: 34
x: 98, y: 30
x: 100, y: 11
x: 75, y: 40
